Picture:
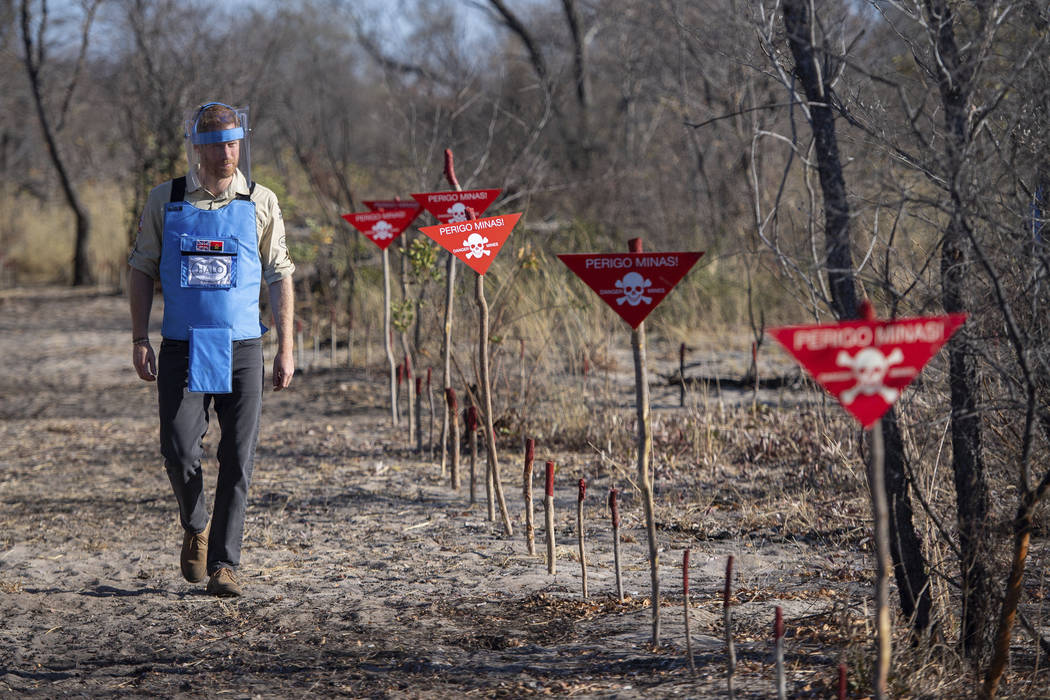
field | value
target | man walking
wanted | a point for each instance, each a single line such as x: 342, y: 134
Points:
x: 211, y: 238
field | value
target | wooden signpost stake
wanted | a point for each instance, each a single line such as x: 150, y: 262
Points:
x: 632, y: 285
x: 450, y: 297
x: 388, y: 340
x: 430, y: 403
x: 382, y: 227
x: 645, y: 446
x: 486, y: 399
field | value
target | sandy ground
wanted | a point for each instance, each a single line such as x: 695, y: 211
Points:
x: 365, y: 574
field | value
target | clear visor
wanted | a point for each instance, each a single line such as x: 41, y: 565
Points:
x: 207, y: 129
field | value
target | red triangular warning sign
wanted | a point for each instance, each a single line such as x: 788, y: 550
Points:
x: 867, y: 364
x: 382, y: 227
x: 632, y: 284
x: 475, y: 242
x: 451, y: 207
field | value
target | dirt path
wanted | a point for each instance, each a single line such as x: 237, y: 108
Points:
x: 366, y: 575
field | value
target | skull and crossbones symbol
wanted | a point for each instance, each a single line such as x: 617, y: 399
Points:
x: 382, y: 231
x: 476, y: 242
x: 633, y: 287
x: 457, y: 212
x: 869, y: 367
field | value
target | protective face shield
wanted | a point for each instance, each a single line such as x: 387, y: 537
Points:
x: 206, y: 129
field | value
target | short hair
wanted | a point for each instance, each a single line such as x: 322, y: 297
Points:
x: 216, y: 117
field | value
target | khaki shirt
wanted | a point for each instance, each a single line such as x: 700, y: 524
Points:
x: 273, y: 249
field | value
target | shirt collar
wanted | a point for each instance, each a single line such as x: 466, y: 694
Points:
x: 238, y: 186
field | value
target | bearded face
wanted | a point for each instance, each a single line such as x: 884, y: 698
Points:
x: 219, y: 160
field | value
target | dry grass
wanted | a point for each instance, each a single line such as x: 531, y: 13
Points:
x: 38, y: 236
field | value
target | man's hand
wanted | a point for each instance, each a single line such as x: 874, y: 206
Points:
x: 282, y: 298
x: 283, y: 369
x: 145, y: 362
x: 140, y: 295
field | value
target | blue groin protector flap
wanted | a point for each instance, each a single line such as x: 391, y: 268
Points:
x: 211, y: 360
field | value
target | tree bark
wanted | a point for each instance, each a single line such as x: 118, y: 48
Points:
x: 954, y: 76
x: 909, y: 565
x: 829, y: 166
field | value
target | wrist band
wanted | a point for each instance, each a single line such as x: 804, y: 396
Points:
x: 140, y: 341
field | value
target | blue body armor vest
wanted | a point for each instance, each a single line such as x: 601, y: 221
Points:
x: 210, y: 274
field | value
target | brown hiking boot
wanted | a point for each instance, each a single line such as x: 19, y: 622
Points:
x: 223, y: 584
x: 194, y: 559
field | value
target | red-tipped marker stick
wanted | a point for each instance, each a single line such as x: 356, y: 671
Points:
x: 450, y: 170
x: 727, y: 614
x: 548, y: 510
x: 419, y: 416
x: 580, y: 535
x: 778, y: 635
x: 842, y: 681
x: 866, y: 311
x: 453, y: 412
x: 685, y: 605
x: 526, y: 493
x: 614, y: 515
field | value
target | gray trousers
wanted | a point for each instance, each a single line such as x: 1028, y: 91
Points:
x: 183, y: 424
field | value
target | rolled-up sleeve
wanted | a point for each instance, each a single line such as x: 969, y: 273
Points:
x: 145, y: 256
x: 273, y: 247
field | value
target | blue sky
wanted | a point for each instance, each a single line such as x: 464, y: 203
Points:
x: 66, y: 16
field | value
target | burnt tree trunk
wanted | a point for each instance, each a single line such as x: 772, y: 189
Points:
x: 34, y: 60
x: 909, y: 564
x: 829, y: 166
x: 954, y: 77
